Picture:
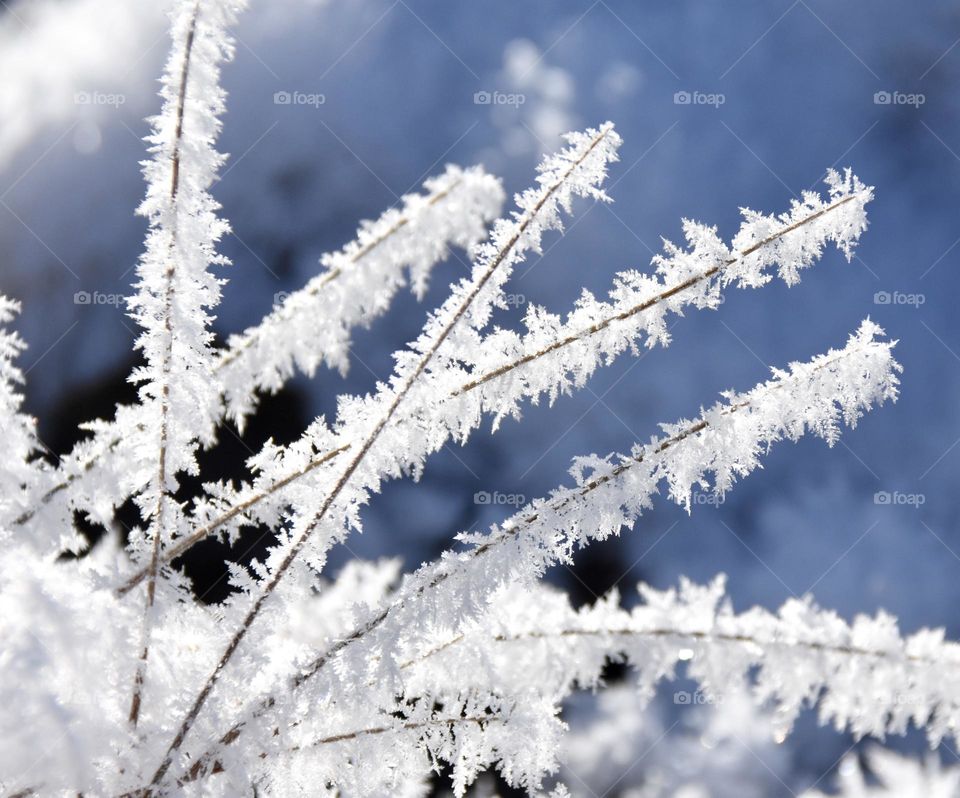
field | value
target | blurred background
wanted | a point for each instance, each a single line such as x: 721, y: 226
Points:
x: 721, y: 105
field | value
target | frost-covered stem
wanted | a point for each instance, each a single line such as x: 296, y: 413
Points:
x: 507, y: 533
x: 186, y: 543
x: 652, y: 451
x: 643, y: 306
x: 209, y: 528
x: 314, y: 667
x: 408, y: 726
x: 242, y: 344
x: 236, y: 351
x: 312, y: 325
x: 426, y: 358
x: 164, y: 369
x: 707, y: 637
x: 28, y: 514
x: 18, y: 468
x: 202, y: 767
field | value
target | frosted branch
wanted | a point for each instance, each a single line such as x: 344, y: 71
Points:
x: 313, y: 325
x: 17, y: 430
x: 576, y: 171
x: 554, y: 356
x: 175, y: 290
x: 726, y: 442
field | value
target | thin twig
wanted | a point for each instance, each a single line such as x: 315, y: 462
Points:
x: 246, y: 341
x: 197, y: 772
x: 646, y: 305
x: 339, y: 738
x: 169, y: 274
x: 744, y: 639
x: 186, y: 543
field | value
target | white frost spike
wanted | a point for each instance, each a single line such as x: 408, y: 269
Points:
x: 176, y: 290
x: 577, y: 171
x: 726, y: 440
x: 313, y: 325
x: 816, y: 396
x: 794, y: 253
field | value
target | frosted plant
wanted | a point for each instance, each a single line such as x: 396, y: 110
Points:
x: 723, y: 750
x: 116, y: 680
x: 893, y: 775
x: 17, y: 429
